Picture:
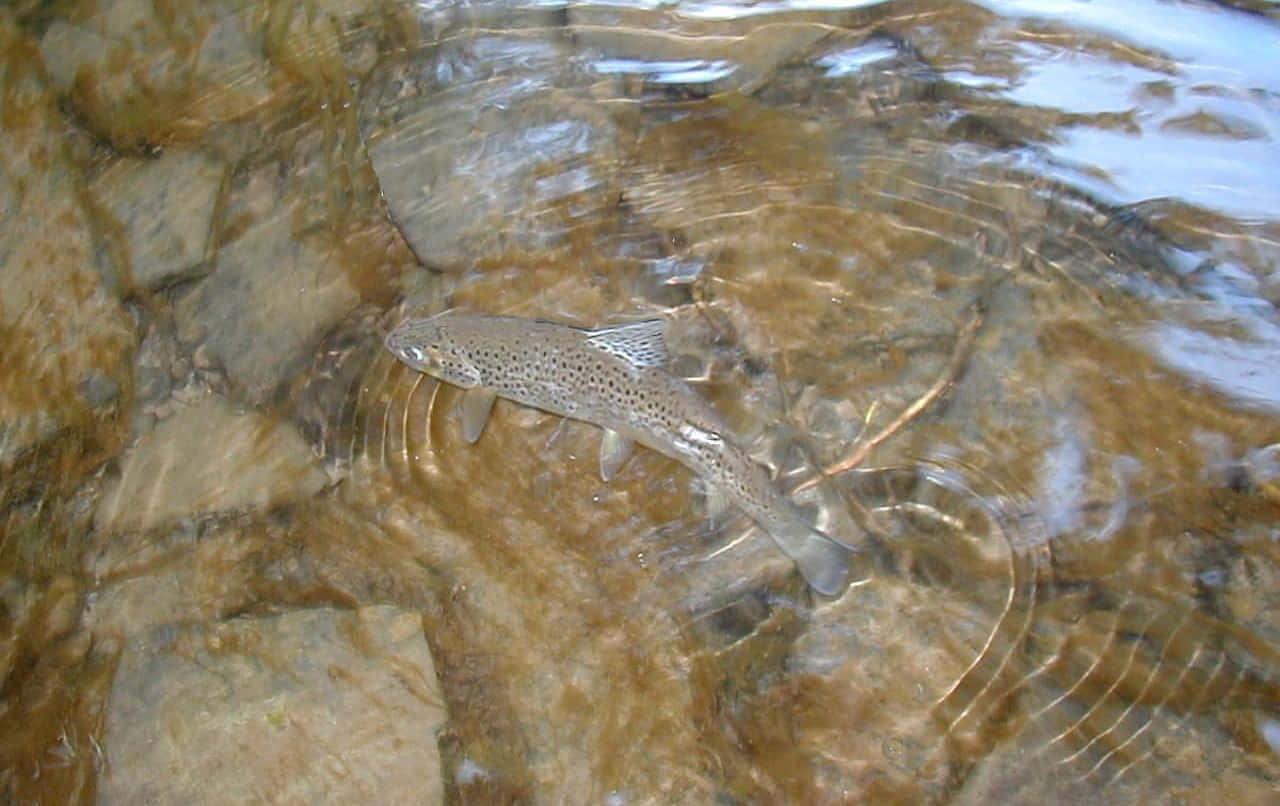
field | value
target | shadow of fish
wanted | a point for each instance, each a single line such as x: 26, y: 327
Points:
x: 613, y: 378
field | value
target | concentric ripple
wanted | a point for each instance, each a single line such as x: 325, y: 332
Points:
x: 1086, y: 684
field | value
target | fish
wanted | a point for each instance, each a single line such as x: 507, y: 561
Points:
x: 614, y: 378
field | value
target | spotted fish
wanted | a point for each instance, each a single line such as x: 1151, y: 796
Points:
x: 613, y: 378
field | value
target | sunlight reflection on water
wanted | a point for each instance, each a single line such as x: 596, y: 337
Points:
x: 1221, y: 60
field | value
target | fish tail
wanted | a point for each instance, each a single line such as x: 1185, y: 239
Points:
x: 823, y: 562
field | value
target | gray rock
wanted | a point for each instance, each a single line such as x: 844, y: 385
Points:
x: 98, y: 390
x: 164, y: 208
x: 208, y: 458
x: 312, y: 706
x: 474, y: 163
x: 152, y: 384
x: 270, y: 298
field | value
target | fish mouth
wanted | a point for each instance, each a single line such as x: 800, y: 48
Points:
x: 392, y: 334
x: 407, y: 333
x: 394, y: 339
x: 400, y: 343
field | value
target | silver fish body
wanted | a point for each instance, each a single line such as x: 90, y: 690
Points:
x: 613, y: 378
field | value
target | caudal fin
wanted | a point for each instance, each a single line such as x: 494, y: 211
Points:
x: 823, y: 562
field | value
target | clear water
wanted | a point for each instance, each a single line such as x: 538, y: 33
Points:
x: 990, y: 287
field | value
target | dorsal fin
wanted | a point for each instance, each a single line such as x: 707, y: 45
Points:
x: 638, y: 343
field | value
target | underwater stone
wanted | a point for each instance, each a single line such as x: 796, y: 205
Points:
x: 165, y: 209
x: 470, y: 166
x: 58, y: 322
x: 311, y: 706
x: 281, y: 292
x: 208, y: 458
x: 137, y: 78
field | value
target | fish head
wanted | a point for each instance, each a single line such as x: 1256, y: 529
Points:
x: 428, y: 346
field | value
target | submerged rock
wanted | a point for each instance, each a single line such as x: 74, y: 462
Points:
x: 165, y: 212
x: 310, y: 706
x: 473, y: 164
x: 140, y: 74
x: 137, y: 77
x: 270, y: 297
x: 208, y: 458
x: 59, y: 324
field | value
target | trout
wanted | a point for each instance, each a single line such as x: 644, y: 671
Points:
x: 614, y: 378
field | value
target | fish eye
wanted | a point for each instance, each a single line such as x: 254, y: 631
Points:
x: 415, y: 354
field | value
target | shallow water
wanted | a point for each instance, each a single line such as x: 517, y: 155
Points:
x: 990, y: 287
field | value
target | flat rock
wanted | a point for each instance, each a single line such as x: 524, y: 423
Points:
x: 308, y: 707
x: 64, y: 338
x: 209, y: 458
x: 164, y: 208
x: 270, y: 298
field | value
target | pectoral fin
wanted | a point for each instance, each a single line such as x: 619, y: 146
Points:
x: 614, y: 450
x: 475, y: 407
